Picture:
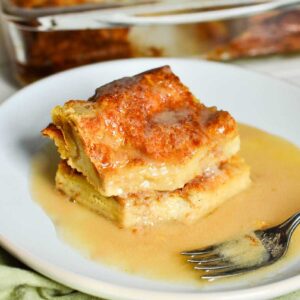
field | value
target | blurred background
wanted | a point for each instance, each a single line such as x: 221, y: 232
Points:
x: 43, y: 37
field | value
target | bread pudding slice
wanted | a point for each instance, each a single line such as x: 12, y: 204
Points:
x: 196, y: 199
x: 142, y: 133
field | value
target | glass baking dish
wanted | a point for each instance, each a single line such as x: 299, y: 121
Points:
x: 47, y: 36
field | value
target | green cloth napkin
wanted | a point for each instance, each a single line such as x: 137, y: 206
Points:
x: 18, y: 282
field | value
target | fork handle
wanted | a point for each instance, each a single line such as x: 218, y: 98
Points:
x: 291, y: 223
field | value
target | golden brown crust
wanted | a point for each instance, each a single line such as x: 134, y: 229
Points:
x: 148, y: 130
x: 156, y: 114
x: 66, y: 169
x: 52, y: 131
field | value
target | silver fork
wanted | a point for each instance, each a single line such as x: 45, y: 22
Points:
x: 215, y: 262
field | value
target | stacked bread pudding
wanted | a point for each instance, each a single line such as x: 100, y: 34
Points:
x: 143, y: 150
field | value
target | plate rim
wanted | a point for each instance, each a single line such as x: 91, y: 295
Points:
x: 285, y: 286
x: 242, y: 69
x: 109, y: 290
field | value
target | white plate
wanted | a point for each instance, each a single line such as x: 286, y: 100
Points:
x: 27, y: 232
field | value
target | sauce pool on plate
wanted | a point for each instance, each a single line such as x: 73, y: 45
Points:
x: 154, y: 251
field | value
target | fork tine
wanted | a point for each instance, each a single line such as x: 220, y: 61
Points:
x: 227, y: 273
x: 199, y: 251
x: 213, y: 267
x: 206, y: 259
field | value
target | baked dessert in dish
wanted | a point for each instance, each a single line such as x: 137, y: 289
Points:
x: 148, y: 130
x: 272, y: 33
x: 53, y: 51
x: 143, y: 149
